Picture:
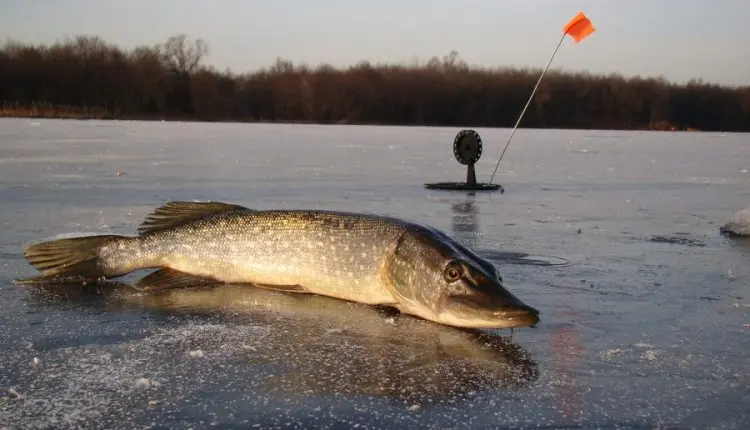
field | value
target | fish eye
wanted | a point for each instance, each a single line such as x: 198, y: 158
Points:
x: 453, y: 272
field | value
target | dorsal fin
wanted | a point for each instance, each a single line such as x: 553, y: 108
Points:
x: 177, y: 213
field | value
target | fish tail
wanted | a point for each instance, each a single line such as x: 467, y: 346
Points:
x: 72, y: 257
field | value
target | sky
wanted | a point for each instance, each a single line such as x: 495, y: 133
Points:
x: 676, y: 39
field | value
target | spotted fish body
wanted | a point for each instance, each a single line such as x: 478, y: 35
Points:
x: 357, y: 257
x: 328, y: 253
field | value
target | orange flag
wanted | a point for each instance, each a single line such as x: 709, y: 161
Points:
x: 579, y: 27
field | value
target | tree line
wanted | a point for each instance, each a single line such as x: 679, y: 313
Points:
x: 85, y: 76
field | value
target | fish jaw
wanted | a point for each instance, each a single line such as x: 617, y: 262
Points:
x: 487, y: 312
x: 472, y: 311
x: 504, y: 322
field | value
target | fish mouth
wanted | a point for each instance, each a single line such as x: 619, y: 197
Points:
x: 491, y: 313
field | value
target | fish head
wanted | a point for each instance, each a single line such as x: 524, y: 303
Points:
x: 434, y: 277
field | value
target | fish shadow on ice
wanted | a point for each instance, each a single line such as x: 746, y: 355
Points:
x: 320, y: 345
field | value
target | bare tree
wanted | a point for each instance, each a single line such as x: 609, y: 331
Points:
x: 182, y: 56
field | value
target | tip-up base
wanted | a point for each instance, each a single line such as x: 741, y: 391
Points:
x: 463, y: 186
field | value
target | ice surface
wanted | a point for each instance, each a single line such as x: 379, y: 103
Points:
x: 613, y: 235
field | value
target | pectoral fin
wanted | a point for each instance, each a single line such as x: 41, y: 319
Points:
x: 170, y: 278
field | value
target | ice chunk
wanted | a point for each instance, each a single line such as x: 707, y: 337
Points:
x: 738, y: 224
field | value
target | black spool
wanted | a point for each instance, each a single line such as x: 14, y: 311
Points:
x: 467, y: 147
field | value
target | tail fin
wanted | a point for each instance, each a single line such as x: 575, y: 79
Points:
x: 71, y: 257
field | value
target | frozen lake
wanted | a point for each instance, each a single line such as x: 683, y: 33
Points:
x: 613, y: 236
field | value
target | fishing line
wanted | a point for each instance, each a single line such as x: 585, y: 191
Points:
x: 527, y: 106
x: 578, y: 28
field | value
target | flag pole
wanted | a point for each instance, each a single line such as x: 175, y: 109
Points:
x: 527, y: 104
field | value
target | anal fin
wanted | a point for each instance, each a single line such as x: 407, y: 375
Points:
x: 283, y: 288
x: 169, y: 278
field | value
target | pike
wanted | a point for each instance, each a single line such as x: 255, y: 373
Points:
x: 371, y: 259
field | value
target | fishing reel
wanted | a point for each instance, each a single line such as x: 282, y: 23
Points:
x: 467, y: 148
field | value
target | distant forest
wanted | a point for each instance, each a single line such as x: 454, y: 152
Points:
x: 86, y: 77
